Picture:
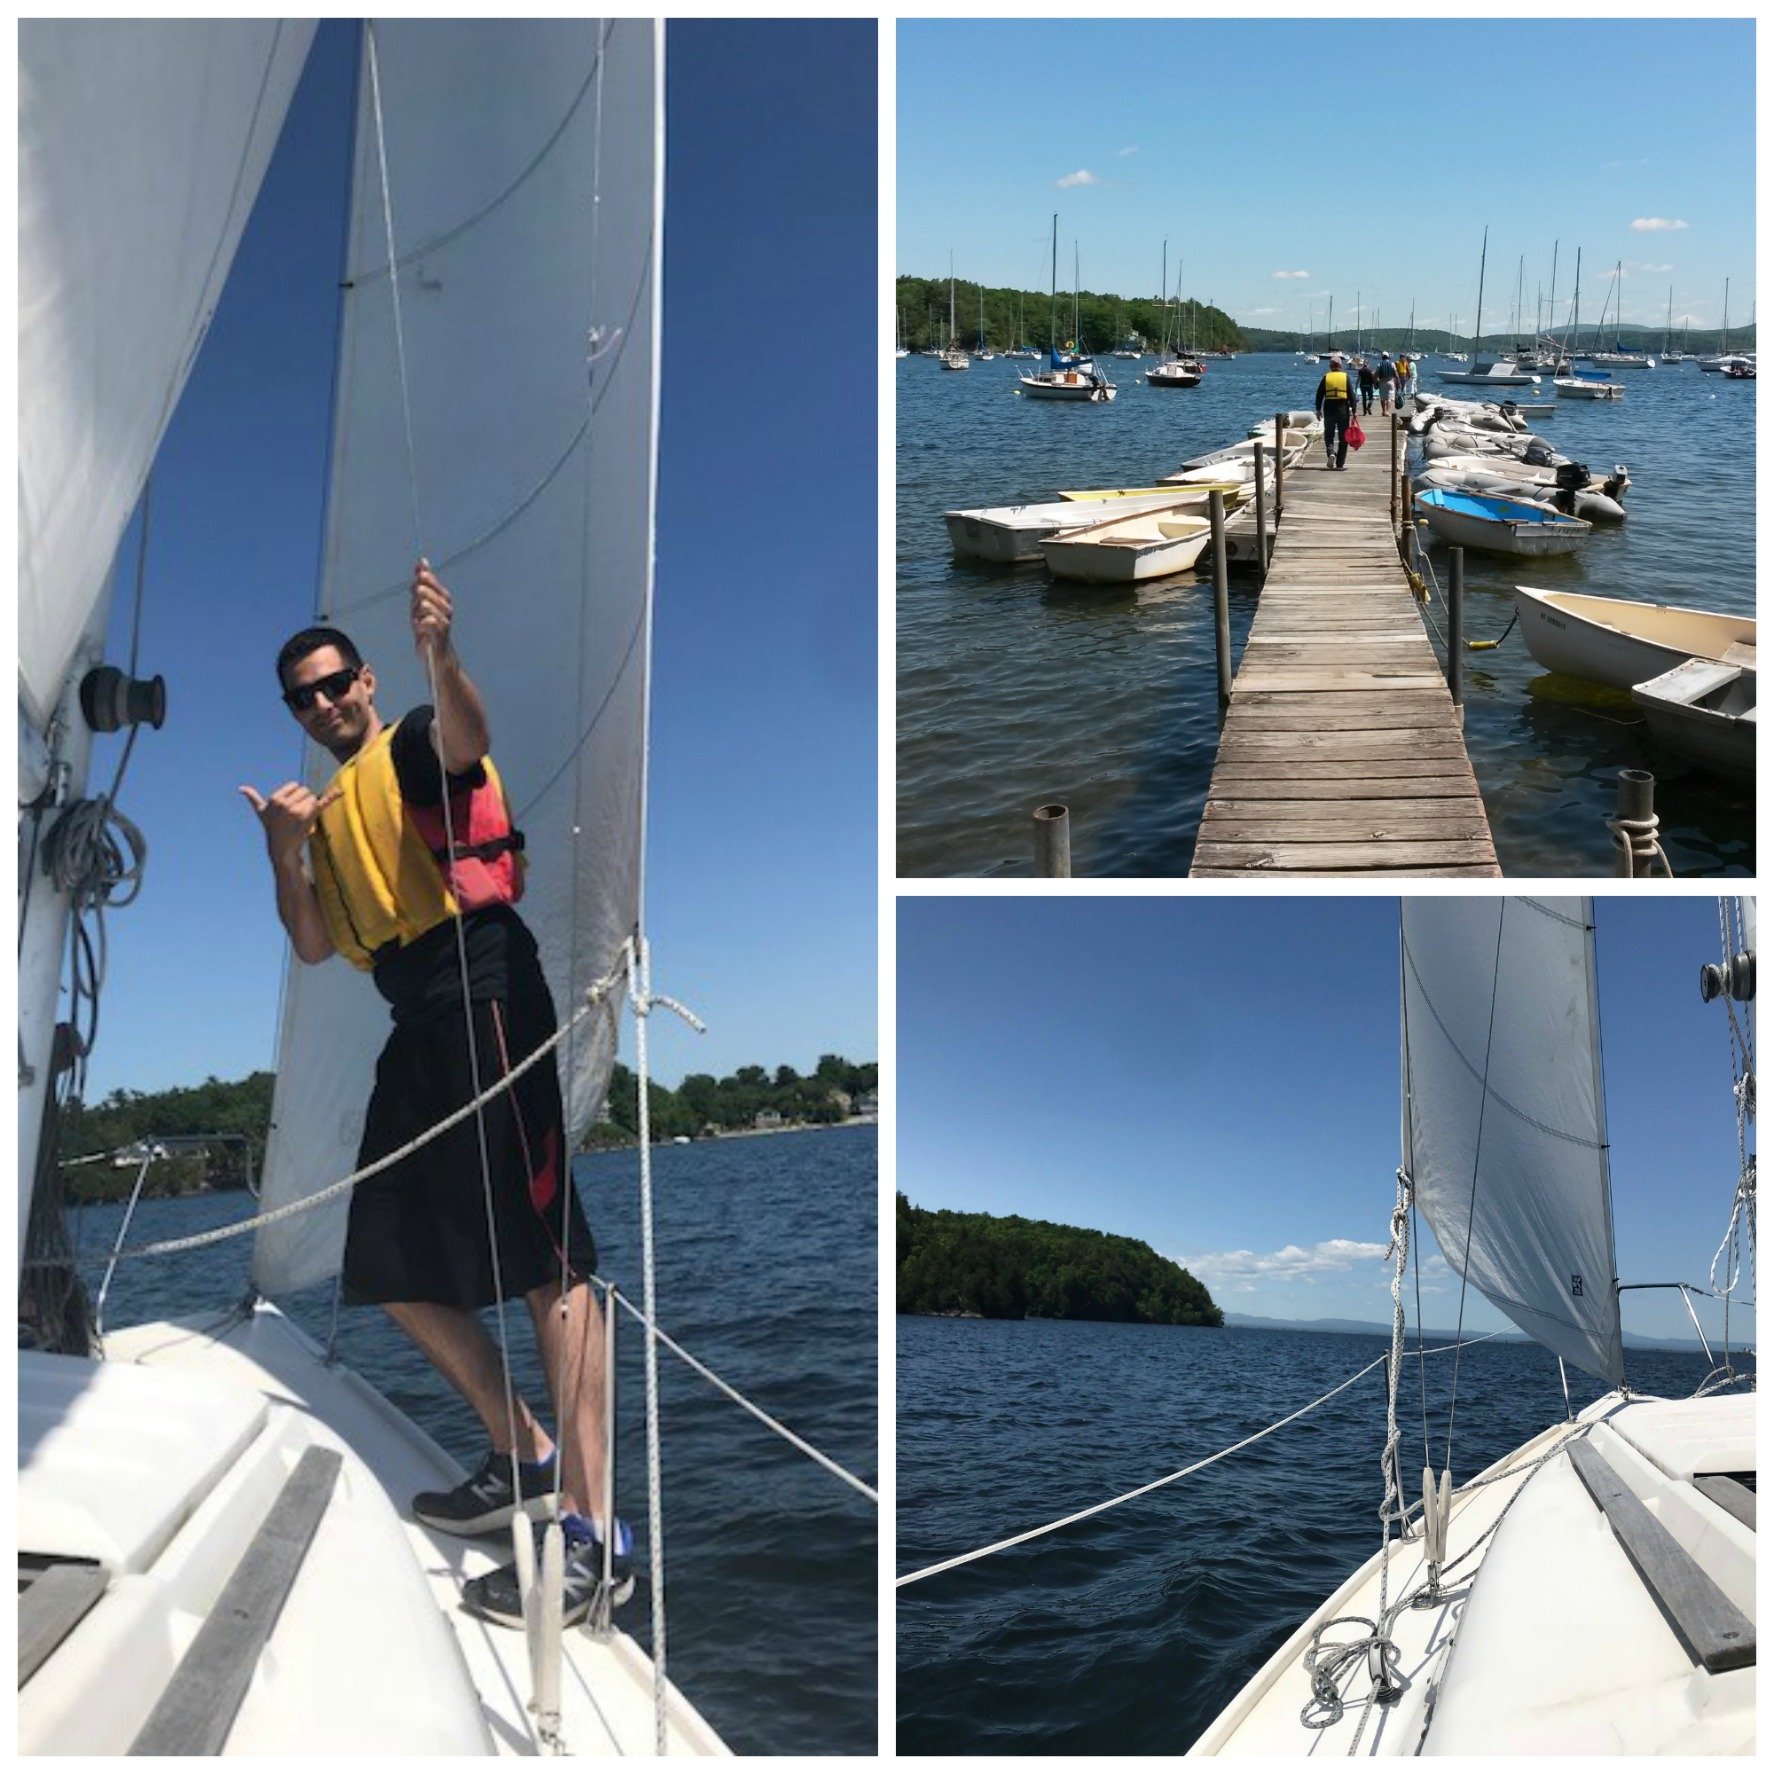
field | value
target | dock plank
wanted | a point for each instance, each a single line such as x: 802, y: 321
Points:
x: 1341, y: 752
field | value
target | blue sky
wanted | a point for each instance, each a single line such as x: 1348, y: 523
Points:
x: 761, y: 876
x: 1229, y: 137
x: 1218, y: 1076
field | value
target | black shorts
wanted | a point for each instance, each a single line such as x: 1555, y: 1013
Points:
x: 419, y: 1231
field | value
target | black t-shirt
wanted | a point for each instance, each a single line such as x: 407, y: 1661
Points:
x: 423, y: 978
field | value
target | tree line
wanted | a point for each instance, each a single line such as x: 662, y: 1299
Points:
x: 989, y: 1266
x: 131, y: 1120
x: 1104, y: 321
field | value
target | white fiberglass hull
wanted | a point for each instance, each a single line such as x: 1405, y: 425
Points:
x: 1460, y: 529
x: 1150, y: 547
x: 1555, y: 1645
x: 1620, y: 642
x: 1040, y: 388
x: 1705, y: 713
x: 1009, y: 533
x: 161, y: 1462
x: 1576, y: 388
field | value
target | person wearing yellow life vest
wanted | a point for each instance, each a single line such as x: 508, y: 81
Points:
x: 367, y: 870
x: 1335, y: 405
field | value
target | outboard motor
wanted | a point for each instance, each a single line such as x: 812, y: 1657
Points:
x: 1571, y: 476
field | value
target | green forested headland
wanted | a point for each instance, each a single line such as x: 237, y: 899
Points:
x: 749, y: 1098
x: 1103, y: 321
x: 981, y: 1265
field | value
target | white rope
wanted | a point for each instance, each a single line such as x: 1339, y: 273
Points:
x: 949, y: 1564
x: 1637, y: 838
x: 745, y: 1403
x: 965, y: 1558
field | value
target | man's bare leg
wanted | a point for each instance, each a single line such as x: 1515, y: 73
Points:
x: 570, y: 1335
x: 456, y: 1343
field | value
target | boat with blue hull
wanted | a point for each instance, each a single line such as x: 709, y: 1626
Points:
x: 1498, y: 525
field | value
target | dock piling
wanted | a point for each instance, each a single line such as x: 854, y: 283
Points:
x: 1634, y: 826
x: 1457, y: 630
x: 1053, y: 841
x: 1280, y: 427
x: 1262, y: 520
x: 1222, y: 611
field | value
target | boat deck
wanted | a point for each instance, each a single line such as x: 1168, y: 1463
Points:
x: 1342, y: 751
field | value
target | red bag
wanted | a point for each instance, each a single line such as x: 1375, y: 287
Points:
x: 1356, y: 436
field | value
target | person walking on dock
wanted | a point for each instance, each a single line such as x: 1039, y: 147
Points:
x: 1365, y: 376
x: 1335, y: 405
x: 1388, y: 378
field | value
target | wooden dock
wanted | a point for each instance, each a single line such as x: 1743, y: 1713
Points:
x: 1342, y: 752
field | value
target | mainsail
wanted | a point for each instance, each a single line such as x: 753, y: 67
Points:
x: 115, y: 294
x: 523, y: 174
x: 1504, y: 1132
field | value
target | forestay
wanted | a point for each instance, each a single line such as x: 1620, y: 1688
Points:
x: 1504, y: 1131
x: 115, y: 119
x: 523, y: 173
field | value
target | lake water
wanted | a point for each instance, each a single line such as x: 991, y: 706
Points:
x: 1015, y: 689
x: 1128, y: 1633
x: 766, y: 1270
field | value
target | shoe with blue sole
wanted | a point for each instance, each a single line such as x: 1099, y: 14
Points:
x: 496, y: 1594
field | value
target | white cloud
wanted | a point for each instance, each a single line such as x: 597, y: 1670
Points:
x: 1125, y: 152
x: 1293, y: 1262
x: 1265, y: 310
x: 1081, y: 177
x: 1656, y: 225
x: 1290, y: 274
x: 1641, y: 265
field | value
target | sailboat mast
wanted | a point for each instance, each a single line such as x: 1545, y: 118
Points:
x: 1725, y: 330
x: 1552, y: 294
x: 1053, y: 293
x: 1478, y: 317
x: 951, y: 299
x: 1576, y: 297
x: 1668, y: 319
x: 1077, y: 343
x: 1521, y: 265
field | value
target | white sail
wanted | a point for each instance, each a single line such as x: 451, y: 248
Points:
x: 1504, y: 1132
x: 523, y: 163
x: 142, y: 144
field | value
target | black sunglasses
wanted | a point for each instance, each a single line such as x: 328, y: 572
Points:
x: 333, y: 685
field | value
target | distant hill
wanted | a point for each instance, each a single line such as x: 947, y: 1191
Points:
x: 1355, y: 1327
x: 978, y: 1265
x: 1430, y: 341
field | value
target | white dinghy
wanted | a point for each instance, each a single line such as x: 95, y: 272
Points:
x: 1499, y: 526
x: 1009, y: 533
x: 1125, y: 551
x: 1704, y: 712
x: 1594, y: 1592
x: 1619, y: 641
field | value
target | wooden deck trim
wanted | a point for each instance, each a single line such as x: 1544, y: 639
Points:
x: 197, y: 1708
x: 1712, y: 1629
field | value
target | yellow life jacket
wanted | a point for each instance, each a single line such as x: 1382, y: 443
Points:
x: 1336, y: 385
x: 383, y: 871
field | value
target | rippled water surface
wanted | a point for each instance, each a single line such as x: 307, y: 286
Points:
x: 1128, y: 1633
x: 1015, y: 689
x: 765, y: 1251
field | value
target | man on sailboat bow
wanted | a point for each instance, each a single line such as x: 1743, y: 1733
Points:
x: 425, y: 903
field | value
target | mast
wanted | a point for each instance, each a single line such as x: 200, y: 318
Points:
x: 1330, y: 323
x: 1478, y: 317
x: 1552, y: 296
x: 1668, y: 318
x: 1077, y: 343
x: 1053, y: 296
x: 1576, y: 297
x: 1521, y: 264
x: 1725, y: 329
x: 1358, y: 321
